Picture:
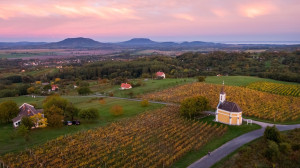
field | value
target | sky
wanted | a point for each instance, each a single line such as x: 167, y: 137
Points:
x: 160, y: 20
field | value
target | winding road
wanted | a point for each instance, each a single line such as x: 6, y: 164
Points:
x: 229, y: 147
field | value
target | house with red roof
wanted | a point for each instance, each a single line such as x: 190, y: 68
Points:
x: 54, y: 87
x: 125, y: 86
x: 160, y: 75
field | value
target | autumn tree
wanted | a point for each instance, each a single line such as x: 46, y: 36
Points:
x: 39, y: 120
x: 55, y: 100
x: 8, y: 111
x: 190, y: 107
x: 54, y: 116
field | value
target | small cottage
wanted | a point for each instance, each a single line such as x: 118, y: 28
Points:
x: 160, y: 75
x: 54, y: 87
x: 228, y: 112
x: 25, y: 110
x: 125, y: 86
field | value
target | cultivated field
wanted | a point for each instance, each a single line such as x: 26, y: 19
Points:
x: 240, y: 80
x: 253, y: 103
x: 275, y: 88
x: 40, y: 136
x: 154, y: 139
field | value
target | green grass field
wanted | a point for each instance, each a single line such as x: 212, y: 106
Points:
x: 150, y: 86
x: 232, y: 132
x: 40, y: 136
x: 240, y: 80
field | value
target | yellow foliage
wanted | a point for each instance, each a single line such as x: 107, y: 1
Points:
x: 153, y: 139
x: 253, y: 103
x: 39, y: 120
x: 57, y: 80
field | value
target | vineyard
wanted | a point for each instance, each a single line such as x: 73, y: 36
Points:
x: 152, y: 139
x: 276, y: 88
x: 253, y: 103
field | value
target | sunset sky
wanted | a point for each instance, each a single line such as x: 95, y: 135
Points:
x: 160, y: 20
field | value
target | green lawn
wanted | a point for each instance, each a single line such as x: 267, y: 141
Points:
x: 40, y: 136
x: 240, y: 80
x: 150, y: 86
x: 232, y: 132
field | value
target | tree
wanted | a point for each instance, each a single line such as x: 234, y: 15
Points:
x: 272, y: 133
x: 54, y: 116
x: 27, y: 122
x: 8, y: 111
x: 30, y: 90
x: 39, y: 120
x: 84, y: 90
x: 24, y: 132
x: 191, y: 107
x: 55, y: 100
x: 89, y: 114
x: 71, y: 111
x: 116, y: 110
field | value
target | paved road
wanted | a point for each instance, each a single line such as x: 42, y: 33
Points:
x: 229, y: 147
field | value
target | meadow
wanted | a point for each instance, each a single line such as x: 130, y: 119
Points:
x: 153, y: 139
x: 254, y: 103
x: 148, y: 86
x: 8, y: 143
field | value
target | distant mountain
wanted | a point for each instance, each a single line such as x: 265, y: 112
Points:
x: 139, y: 41
x: 197, y: 43
x: 137, y: 44
x: 78, y: 42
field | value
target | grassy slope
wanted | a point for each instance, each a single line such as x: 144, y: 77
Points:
x: 232, y: 132
x: 150, y: 86
x: 40, y: 136
x: 232, y: 156
x: 240, y: 80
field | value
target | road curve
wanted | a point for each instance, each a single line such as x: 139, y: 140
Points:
x: 224, y: 150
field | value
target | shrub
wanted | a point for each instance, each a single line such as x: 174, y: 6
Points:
x: 272, y: 133
x: 285, y: 147
x: 144, y: 103
x: 272, y: 151
x: 84, y: 90
x: 111, y: 94
x: 89, y: 114
x: 191, y: 107
x: 201, y: 78
x: 116, y: 110
x: 27, y: 122
x: 24, y: 132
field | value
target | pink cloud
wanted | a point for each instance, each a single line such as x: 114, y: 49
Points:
x: 151, y: 18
